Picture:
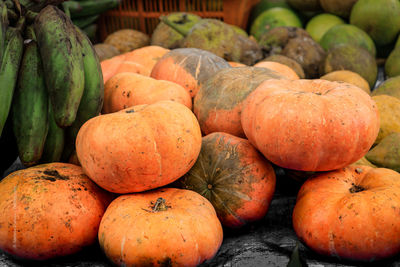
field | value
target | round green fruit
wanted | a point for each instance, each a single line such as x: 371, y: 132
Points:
x: 321, y: 23
x: 380, y: 19
x: 273, y: 18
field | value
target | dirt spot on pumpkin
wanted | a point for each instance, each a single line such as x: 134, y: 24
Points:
x: 166, y: 262
x: 52, y: 176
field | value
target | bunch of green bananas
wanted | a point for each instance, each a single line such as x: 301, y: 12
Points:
x: 50, y: 81
x: 84, y: 13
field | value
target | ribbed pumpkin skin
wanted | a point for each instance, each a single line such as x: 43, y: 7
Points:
x: 234, y: 177
x: 139, y: 148
x: 49, y: 210
x: 124, y: 90
x: 187, y: 233
x: 351, y: 213
x: 189, y: 67
x: 310, y: 125
x: 218, y: 104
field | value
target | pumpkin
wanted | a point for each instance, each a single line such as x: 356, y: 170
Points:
x: 189, y: 67
x: 140, y: 61
x: 350, y: 213
x: 124, y: 90
x: 234, y: 177
x: 139, y: 148
x: 218, y: 103
x: 310, y: 125
x: 49, y: 210
x: 105, y: 51
x: 235, y: 64
x: 164, y: 227
x: 280, y: 68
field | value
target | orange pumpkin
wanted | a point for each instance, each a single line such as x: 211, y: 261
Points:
x: 124, y: 90
x: 49, y: 210
x: 140, y: 61
x: 165, y: 227
x: 234, y: 177
x: 351, y: 213
x: 280, y: 68
x: 236, y: 64
x: 189, y: 67
x: 310, y: 125
x: 139, y: 148
x: 218, y: 104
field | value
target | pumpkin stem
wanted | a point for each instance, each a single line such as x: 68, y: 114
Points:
x: 356, y: 188
x: 159, y: 205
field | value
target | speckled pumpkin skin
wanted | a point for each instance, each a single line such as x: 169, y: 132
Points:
x: 234, y: 177
x: 49, y: 210
x: 351, y: 213
x: 139, y: 148
x: 218, y: 104
x: 186, y: 233
x: 189, y: 67
x: 310, y: 125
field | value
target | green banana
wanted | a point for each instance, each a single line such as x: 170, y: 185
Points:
x: 29, y: 108
x: 85, y: 21
x: 91, y: 7
x: 54, y: 145
x: 3, y: 28
x: 92, y: 99
x: 62, y: 62
x: 9, y: 71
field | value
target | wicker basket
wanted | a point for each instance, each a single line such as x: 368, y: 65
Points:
x: 143, y: 15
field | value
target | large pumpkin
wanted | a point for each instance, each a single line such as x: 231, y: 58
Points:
x: 139, y: 148
x: 165, y: 227
x: 218, y: 104
x: 234, y: 177
x: 351, y: 213
x: 140, y: 61
x: 189, y: 67
x: 127, y: 89
x: 49, y: 210
x: 310, y: 125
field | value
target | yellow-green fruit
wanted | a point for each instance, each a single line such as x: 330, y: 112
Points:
x: 389, y: 114
x: 392, y: 64
x: 379, y: 18
x: 348, y: 77
x: 338, y: 7
x: 272, y: 18
x: 126, y: 40
x: 347, y: 34
x: 353, y: 58
x: 386, y: 154
x: 320, y: 24
x: 390, y: 87
x: 364, y: 162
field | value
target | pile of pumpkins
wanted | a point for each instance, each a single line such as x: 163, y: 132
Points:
x: 187, y: 143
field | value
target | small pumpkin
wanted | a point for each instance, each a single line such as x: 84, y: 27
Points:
x: 280, y: 68
x: 49, y: 210
x: 349, y: 77
x: 351, y: 213
x: 164, y: 227
x: 126, y: 40
x: 124, y: 90
x: 189, y: 67
x: 234, y: 177
x: 218, y: 103
x: 140, y: 61
x: 310, y: 125
x: 153, y: 146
